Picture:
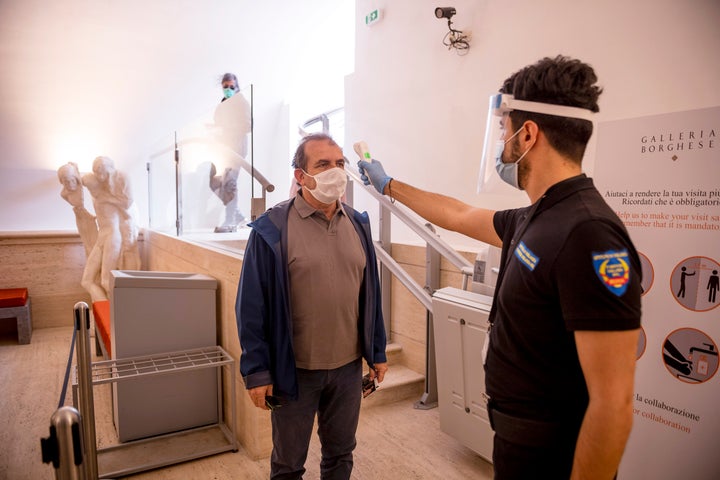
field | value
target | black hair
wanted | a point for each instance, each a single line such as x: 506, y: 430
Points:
x: 560, y: 81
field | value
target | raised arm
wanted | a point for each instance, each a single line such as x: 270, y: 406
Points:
x: 441, y: 210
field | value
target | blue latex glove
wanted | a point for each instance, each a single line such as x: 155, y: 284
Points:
x: 372, y: 173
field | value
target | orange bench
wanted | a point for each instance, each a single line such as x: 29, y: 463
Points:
x: 101, y: 313
x: 15, y: 303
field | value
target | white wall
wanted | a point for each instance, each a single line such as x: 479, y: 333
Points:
x: 82, y: 78
x: 88, y: 77
x: 422, y: 108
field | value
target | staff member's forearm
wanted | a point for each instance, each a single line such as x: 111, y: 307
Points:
x: 601, y: 442
x: 446, y: 212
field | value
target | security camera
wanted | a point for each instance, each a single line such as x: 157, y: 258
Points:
x: 444, y: 12
x: 453, y: 38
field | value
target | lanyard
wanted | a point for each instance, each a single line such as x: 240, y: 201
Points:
x: 513, y: 244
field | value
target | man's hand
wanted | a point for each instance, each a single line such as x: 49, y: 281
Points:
x: 257, y: 395
x: 372, y: 173
x: 378, y: 371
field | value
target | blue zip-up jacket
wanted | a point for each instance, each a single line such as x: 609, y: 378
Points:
x: 262, y: 306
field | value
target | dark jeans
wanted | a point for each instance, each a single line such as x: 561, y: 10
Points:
x: 335, y: 396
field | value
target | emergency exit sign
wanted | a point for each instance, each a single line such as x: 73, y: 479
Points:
x: 373, y: 17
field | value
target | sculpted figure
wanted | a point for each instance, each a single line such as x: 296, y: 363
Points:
x: 116, y: 245
x: 73, y: 193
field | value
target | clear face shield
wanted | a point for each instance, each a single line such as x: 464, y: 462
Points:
x: 500, y: 106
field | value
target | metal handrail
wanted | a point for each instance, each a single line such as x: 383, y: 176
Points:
x: 419, y: 292
x: 323, y: 117
x: 431, y: 238
x: 264, y: 182
x: 435, y: 247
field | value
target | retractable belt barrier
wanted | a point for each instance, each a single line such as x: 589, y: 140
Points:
x: 71, y: 445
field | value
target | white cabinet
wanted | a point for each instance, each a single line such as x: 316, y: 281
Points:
x: 154, y: 313
x: 460, y: 320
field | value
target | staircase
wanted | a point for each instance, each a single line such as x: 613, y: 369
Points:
x: 400, y: 382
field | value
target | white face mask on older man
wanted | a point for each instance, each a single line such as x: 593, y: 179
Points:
x: 329, y: 185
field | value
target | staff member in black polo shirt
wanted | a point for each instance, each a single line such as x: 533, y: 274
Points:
x: 566, y: 314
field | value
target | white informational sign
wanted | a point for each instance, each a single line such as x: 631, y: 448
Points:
x: 661, y: 174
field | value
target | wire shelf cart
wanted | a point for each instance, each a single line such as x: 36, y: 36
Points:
x: 171, y: 448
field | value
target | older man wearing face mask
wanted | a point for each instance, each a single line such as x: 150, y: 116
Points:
x: 308, y: 311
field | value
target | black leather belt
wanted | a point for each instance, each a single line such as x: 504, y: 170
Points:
x: 531, y: 433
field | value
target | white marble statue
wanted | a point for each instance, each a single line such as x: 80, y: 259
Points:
x: 116, y: 247
x: 73, y: 193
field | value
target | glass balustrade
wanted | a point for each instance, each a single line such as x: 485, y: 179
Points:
x: 202, y: 178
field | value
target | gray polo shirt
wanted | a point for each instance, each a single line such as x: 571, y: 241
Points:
x: 326, y: 263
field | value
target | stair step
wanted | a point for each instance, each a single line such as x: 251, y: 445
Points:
x: 400, y: 383
x: 393, y: 352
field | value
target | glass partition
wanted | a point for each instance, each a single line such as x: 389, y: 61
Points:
x: 201, y: 177
x: 162, y: 205
x: 331, y: 122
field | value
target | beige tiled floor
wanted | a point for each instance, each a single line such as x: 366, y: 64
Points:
x: 395, y: 441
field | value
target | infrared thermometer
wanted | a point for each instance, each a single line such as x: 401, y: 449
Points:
x: 362, y: 151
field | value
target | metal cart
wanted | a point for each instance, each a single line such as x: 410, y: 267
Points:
x: 163, y: 450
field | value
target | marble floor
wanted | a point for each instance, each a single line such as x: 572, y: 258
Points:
x: 395, y: 441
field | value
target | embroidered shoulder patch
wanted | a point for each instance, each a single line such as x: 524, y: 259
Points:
x: 613, y: 269
x: 526, y: 256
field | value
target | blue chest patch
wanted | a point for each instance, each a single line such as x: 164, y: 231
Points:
x: 613, y: 270
x: 526, y: 256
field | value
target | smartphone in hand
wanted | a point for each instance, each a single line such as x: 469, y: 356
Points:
x: 272, y: 402
x: 368, y: 385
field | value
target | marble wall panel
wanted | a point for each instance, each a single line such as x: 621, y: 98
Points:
x: 51, y: 265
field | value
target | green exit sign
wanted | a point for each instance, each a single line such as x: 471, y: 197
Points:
x: 373, y: 17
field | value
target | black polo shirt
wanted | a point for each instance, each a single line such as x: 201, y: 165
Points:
x: 574, y: 267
